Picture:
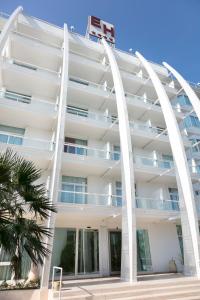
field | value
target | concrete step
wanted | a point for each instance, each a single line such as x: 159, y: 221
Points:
x: 188, y: 298
x: 176, y: 295
x: 172, y: 289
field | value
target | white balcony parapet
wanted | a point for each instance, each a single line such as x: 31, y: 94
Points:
x: 19, y: 140
x: 188, y: 209
x: 32, y: 67
x: 46, y: 43
x: 8, y: 27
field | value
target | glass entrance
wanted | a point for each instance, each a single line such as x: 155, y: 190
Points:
x: 88, y: 251
x: 76, y: 251
x: 143, y: 251
x: 115, y: 251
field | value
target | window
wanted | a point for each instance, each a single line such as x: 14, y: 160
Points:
x: 180, y: 239
x: 11, y: 135
x: 77, y: 111
x: 74, y: 190
x: 174, y: 197
x: 69, y: 148
x: 143, y: 253
x: 195, y: 142
x: 116, y: 152
x: 167, y: 161
x: 17, y: 97
x: 183, y: 100
x: 117, y: 201
x: 191, y: 121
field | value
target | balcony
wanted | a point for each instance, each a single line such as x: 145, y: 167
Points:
x: 99, y: 161
x: 32, y: 110
x: 137, y: 104
x: 92, y: 199
x: 37, y: 150
x: 20, y: 75
x: 143, y: 135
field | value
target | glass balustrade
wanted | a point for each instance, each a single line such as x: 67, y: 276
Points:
x: 148, y: 203
x: 87, y: 151
x: 112, y: 119
x: 112, y: 155
x: 72, y: 197
x: 21, y: 140
x: 154, y: 163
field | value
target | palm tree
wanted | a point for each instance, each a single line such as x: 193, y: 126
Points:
x: 24, y: 206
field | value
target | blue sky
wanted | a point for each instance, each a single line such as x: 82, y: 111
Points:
x: 160, y: 29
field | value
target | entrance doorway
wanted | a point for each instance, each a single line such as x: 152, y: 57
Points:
x: 143, y: 252
x: 76, y: 251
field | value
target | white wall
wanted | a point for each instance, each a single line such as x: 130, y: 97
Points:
x: 164, y: 245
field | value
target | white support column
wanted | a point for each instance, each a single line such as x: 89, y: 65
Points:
x: 104, y: 265
x: 195, y: 101
x: 187, y: 202
x: 8, y: 27
x: 129, y: 249
x: 57, y: 159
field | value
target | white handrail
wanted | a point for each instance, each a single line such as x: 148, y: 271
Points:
x: 53, y: 277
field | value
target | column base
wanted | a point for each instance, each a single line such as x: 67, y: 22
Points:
x: 44, y: 293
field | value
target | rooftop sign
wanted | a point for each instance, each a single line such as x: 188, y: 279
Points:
x: 100, y: 29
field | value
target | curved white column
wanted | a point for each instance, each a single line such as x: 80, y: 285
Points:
x: 57, y: 158
x: 195, y: 101
x: 8, y: 27
x: 129, y: 249
x: 187, y: 202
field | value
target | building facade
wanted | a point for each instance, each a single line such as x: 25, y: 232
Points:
x: 61, y: 107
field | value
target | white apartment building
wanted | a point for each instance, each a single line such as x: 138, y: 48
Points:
x: 99, y: 123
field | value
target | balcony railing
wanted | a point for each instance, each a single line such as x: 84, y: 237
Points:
x: 12, y: 139
x: 26, y: 99
x: 15, y: 96
x: 129, y: 96
x: 115, y: 155
x: 71, y: 197
x: 87, y: 151
x: 154, y: 163
x: 110, y: 119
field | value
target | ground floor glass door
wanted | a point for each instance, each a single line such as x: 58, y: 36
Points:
x: 115, y: 251
x: 88, y: 251
x: 76, y: 251
x: 143, y: 251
